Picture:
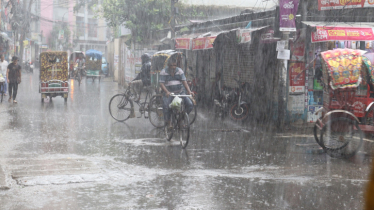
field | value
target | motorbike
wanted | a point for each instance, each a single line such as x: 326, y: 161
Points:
x: 222, y: 104
x: 240, y: 109
x: 27, y: 65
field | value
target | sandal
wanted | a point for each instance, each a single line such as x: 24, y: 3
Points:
x: 14, y: 101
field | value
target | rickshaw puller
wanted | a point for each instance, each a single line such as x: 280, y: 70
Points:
x: 143, y: 78
x: 171, y: 80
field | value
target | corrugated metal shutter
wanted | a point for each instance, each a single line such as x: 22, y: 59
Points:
x: 230, y: 65
x: 238, y: 58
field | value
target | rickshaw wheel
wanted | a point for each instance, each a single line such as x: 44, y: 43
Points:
x: 369, y: 117
x: 316, y: 134
x: 155, y: 112
x: 341, y: 137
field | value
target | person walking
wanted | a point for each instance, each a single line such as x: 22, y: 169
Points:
x: 3, y: 70
x: 13, y: 76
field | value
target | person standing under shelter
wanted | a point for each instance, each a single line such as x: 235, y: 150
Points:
x: 3, y: 71
x: 13, y: 76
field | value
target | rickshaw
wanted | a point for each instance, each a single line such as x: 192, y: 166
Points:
x: 53, y: 75
x: 72, y: 60
x: 93, y: 64
x: 348, y: 101
x: 159, y: 62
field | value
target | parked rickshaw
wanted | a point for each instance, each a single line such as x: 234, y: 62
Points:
x: 72, y: 60
x: 348, y: 101
x: 93, y: 64
x: 53, y: 75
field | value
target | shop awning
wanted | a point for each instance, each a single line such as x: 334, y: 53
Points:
x: 339, y: 31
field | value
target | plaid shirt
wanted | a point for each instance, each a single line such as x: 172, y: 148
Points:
x: 172, y: 84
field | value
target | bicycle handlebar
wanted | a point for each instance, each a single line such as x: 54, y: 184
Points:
x: 172, y: 94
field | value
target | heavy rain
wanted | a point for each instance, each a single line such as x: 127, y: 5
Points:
x: 186, y: 104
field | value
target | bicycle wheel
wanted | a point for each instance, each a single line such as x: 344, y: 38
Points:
x: 316, y: 134
x: 120, y: 107
x: 155, y: 112
x: 193, y: 115
x: 184, y: 130
x: 341, y: 137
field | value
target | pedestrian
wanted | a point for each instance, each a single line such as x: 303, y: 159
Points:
x: 143, y: 78
x: 13, y: 76
x: 3, y: 70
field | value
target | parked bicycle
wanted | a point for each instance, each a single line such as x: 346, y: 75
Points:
x: 180, y: 123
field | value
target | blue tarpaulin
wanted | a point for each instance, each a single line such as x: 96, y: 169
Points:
x: 94, y: 54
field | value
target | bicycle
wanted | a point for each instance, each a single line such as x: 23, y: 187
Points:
x: 180, y: 124
x: 78, y: 73
x: 121, y: 106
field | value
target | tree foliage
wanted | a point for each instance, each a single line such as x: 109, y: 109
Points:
x: 143, y: 17
x: 65, y: 42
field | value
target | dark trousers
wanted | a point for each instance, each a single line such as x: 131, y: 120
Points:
x: 13, y: 87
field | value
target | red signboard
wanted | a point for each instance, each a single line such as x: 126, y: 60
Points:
x: 344, y: 4
x: 298, y: 50
x: 324, y: 34
x: 209, y: 42
x: 295, y: 70
x: 183, y: 43
x: 198, y: 43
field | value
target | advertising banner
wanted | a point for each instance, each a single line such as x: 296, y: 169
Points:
x: 198, y: 43
x: 183, y: 43
x: 324, y: 34
x: 296, y: 104
x: 344, y: 4
x: 243, y: 35
x: 209, y: 42
x: 297, y: 77
x: 287, y: 11
x: 298, y: 50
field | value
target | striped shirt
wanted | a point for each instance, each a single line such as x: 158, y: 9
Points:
x: 172, y: 84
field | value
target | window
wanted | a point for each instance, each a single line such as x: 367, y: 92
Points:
x: 92, y: 27
x: 80, y: 26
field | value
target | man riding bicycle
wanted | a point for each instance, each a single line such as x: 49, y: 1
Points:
x: 143, y: 78
x: 171, y: 80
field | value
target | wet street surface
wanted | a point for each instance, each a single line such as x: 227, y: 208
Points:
x: 75, y: 156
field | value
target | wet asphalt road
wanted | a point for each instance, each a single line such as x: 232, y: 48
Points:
x: 75, y: 156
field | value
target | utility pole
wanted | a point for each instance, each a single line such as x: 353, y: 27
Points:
x: 172, y: 23
x: 283, y: 86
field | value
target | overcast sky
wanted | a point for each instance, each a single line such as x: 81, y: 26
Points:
x: 240, y: 3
